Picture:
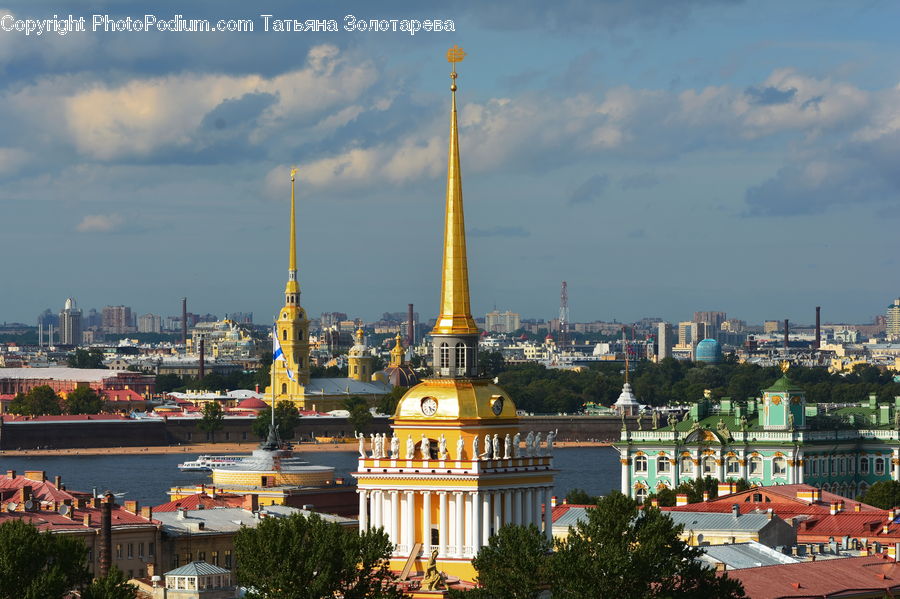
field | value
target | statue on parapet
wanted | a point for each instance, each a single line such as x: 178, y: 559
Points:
x: 362, y: 444
x: 442, y: 447
x: 496, y: 447
x: 425, y: 447
x: 507, y: 447
x: 395, y: 446
x: 410, y: 447
x: 517, y: 451
x: 551, y: 437
x: 460, y: 447
x: 529, y: 444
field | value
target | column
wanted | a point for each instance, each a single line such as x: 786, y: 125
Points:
x: 676, y: 466
x: 426, y: 523
x: 548, y: 515
x: 895, y: 465
x: 625, y: 460
x: 801, y: 475
x: 460, y: 524
x: 469, y: 542
x: 363, y: 510
x: 721, y: 465
x: 377, y: 521
x: 498, y: 510
x: 442, y: 526
x: 485, y: 517
x: 476, y: 521
x: 395, y: 517
x: 507, y: 506
x: 745, y: 465
x: 528, y: 516
x: 409, y: 521
x: 517, y: 507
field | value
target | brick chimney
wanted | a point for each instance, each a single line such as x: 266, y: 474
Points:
x: 86, y: 520
x: 106, y: 534
x: 36, y: 475
x: 735, y: 510
x: 147, y: 512
x: 57, y: 481
x: 132, y: 506
x: 251, y: 502
x: 11, y: 473
x: 681, y: 499
x: 705, y: 495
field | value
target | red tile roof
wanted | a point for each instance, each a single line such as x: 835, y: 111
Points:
x: 62, y: 417
x: 201, y: 501
x: 821, y: 579
x: 869, y: 525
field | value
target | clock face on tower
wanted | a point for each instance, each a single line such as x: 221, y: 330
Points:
x: 497, y: 406
x: 429, y: 406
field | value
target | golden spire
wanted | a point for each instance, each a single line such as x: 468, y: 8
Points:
x: 292, y: 286
x: 456, y: 313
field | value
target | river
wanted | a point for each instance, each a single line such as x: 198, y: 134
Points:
x: 146, y: 478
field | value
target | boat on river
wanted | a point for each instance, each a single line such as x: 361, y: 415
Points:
x: 206, y: 463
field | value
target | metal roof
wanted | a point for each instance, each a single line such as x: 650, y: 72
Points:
x: 197, y: 569
x: 230, y: 519
x: 745, y: 555
x: 720, y: 521
x: 344, y: 386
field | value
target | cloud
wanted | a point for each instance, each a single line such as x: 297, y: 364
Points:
x: 766, y: 96
x: 643, y: 180
x: 499, y: 231
x: 99, y: 223
x: 589, y: 191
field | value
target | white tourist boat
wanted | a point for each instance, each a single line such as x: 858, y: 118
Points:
x: 206, y: 463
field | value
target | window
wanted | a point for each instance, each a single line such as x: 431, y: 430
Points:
x: 879, y: 466
x: 460, y: 356
x: 228, y: 558
x: 201, y: 555
x: 118, y: 550
x: 733, y: 466
x: 662, y: 465
x: 284, y: 387
x: 284, y: 335
x: 214, y: 558
x: 779, y: 466
x: 687, y: 465
x: 851, y: 465
x: 227, y: 436
x: 355, y: 369
x: 190, y: 436
x: 812, y: 466
x: 640, y: 464
x: 445, y: 355
x: 244, y: 436
x: 141, y: 550
x: 640, y: 494
x: 131, y: 551
x: 709, y: 466
x: 864, y: 465
x: 151, y: 549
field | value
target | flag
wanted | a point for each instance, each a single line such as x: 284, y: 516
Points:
x: 278, y: 353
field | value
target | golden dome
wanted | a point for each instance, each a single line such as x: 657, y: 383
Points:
x: 457, y: 399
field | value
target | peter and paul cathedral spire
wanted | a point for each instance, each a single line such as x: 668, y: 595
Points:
x: 455, y: 334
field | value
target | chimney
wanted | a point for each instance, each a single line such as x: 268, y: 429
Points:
x: 87, y: 519
x: 681, y: 499
x: 892, y: 513
x: 856, y: 508
x: 184, y: 321
x: 818, y: 328
x: 251, y: 502
x: 770, y: 513
x: 132, y: 506
x: 202, y: 370
x: 10, y: 473
x: 36, y: 475
x: 57, y: 482
x: 786, y: 331
x: 410, y: 327
x: 182, y: 513
x: 654, y: 502
x: 735, y: 510
x: 833, y: 508
x: 553, y: 501
x: 705, y: 495
x: 106, y: 534
x: 147, y: 512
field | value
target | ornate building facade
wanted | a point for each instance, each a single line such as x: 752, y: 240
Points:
x: 454, y: 469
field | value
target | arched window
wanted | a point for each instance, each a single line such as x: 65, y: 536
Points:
x: 284, y: 334
x: 779, y: 467
x: 879, y: 466
x: 756, y: 466
x: 864, y: 465
x: 709, y: 466
x: 355, y: 369
x: 460, y: 356
x: 640, y: 493
x: 733, y: 466
x: 640, y: 464
x: 284, y: 387
x: 445, y: 355
x: 662, y: 465
x: 687, y: 465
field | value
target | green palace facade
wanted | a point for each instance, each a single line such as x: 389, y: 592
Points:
x: 771, y: 440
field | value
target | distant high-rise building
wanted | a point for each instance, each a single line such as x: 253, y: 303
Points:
x: 771, y: 326
x: 502, y: 322
x: 664, y: 340
x: 733, y: 326
x: 117, y: 319
x: 48, y: 318
x: 149, y: 323
x: 713, y: 320
x: 92, y: 319
x: 892, y: 319
x: 70, y: 325
x: 689, y: 334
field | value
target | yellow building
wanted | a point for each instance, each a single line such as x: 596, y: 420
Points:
x: 454, y: 469
x: 290, y: 376
x: 359, y: 360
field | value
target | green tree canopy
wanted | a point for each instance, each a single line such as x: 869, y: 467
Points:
x: 387, y: 404
x: 112, y: 586
x: 39, y: 565
x: 213, y: 418
x: 86, y: 358
x: 303, y: 557
x: 580, y: 497
x: 629, y: 553
x: 884, y: 494
x: 360, y: 416
x: 36, y: 402
x: 84, y: 400
x: 515, y: 564
x: 286, y: 419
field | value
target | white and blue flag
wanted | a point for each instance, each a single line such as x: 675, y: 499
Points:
x: 278, y: 353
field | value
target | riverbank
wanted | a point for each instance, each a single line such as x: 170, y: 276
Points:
x: 219, y: 448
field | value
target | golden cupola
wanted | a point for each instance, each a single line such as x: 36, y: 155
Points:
x: 397, y: 352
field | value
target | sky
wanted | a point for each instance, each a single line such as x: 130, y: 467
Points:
x: 660, y: 157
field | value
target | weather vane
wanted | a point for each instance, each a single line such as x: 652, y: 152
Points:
x: 293, y: 172
x: 454, y: 55
x: 785, y: 365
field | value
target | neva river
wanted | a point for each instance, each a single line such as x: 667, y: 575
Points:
x: 146, y: 478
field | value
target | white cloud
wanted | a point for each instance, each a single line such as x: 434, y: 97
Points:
x: 99, y: 223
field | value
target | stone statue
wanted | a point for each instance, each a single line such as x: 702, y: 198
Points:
x: 373, y: 445
x: 551, y: 437
x: 655, y: 419
x: 622, y: 414
x: 395, y: 446
x: 529, y: 444
x: 460, y: 446
x: 362, y: 444
x: 410, y: 448
x: 496, y: 447
x: 487, y: 448
x: 475, y: 447
x: 507, y: 447
x: 432, y: 580
x: 672, y: 420
x: 897, y: 420
x: 537, y: 445
x: 687, y: 416
x: 379, y: 442
x: 790, y: 421
x: 640, y: 418
x: 695, y: 426
x: 517, y: 451
x: 744, y: 423
x: 425, y: 448
x: 442, y: 447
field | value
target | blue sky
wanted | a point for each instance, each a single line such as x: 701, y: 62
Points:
x: 662, y: 157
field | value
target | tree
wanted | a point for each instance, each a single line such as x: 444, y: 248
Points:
x: 168, y: 382
x: 301, y: 557
x: 37, y: 401
x: 213, y: 418
x: 580, y: 497
x: 360, y: 416
x: 629, y: 553
x: 86, y: 358
x: 114, y: 585
x: 84, y: 400
x: 286, y: 418
x: 515, y: 564
x: 884, y: 494
x: 387, y: 404
x: 39, y: 565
